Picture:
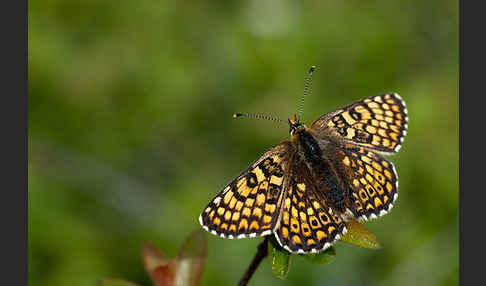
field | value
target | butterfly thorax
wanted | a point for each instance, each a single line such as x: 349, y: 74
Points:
x: 305, y: 143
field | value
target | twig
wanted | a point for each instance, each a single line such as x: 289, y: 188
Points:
x: 262, y: 252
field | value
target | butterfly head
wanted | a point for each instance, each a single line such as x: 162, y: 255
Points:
x: 295, y: 125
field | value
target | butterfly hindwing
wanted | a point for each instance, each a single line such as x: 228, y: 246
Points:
x: 378, y: 123
x: 307, y: 224
x: 371, y: 179
x: 249, y: 205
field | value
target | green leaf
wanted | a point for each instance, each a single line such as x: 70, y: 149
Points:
x: 324, y: 257
x: 359, y: 235
x: 279, y: 259
x: 114, y: 282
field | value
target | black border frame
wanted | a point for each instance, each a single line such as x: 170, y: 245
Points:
x: 14, y: 23
x: 471, y: 120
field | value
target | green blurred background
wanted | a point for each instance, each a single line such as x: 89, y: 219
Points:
x: 131, y: 135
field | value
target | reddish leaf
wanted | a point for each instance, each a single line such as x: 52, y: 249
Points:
x: 185, y: 269
x: 164, y: 275
x: 159, y: 268
x: 152, y: 257
x: 190, y: 259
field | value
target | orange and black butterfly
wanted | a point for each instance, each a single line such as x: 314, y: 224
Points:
x: 303, y: 189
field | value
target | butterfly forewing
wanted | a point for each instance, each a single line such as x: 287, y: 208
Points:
x: 249, y: 205
x: 378, y: 123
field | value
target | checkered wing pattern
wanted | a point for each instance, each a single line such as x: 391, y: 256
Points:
x: 307, y: 224
x: 371, y: 179
x: 378, y: 123
x: 249, y: 205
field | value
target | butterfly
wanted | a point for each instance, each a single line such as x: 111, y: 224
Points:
x: 304, y: 189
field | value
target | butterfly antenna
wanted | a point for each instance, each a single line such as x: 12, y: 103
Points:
x: 258, y: 116
x: 306, y: 89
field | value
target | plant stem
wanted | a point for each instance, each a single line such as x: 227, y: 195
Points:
x: 262, y: 252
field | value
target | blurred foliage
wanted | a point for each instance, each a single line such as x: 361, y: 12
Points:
x: 184, y: 270
x: 115, y: 282
x: 130, y: 129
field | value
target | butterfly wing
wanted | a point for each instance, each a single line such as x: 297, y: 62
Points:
x: 307, y: 224
x: 370, y: 180
x: 378, y: 123
x: 249, y: 205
